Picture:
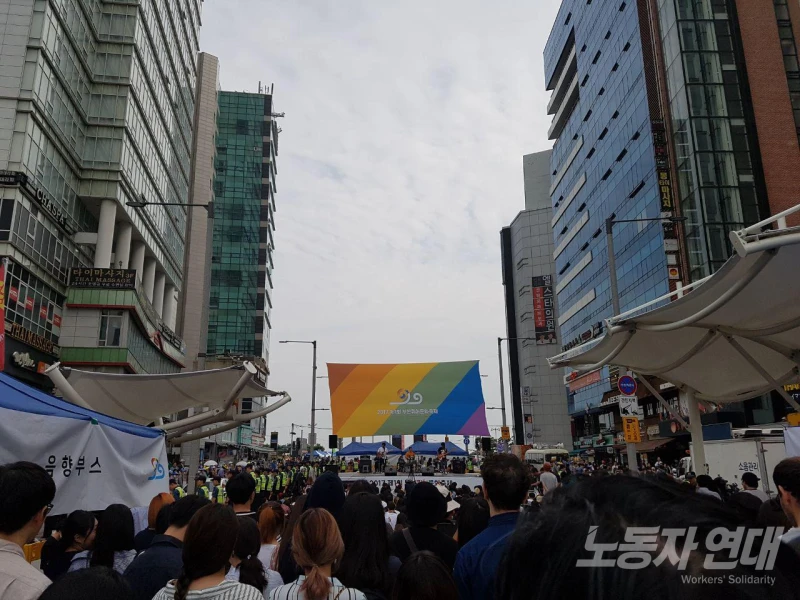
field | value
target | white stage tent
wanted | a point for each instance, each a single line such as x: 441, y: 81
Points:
x: 734, y: 336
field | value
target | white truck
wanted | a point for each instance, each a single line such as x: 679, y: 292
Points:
x: 729, y: 459
x: 538, y: 456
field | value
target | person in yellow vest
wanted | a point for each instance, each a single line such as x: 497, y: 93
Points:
x: 219, y: 491
x: 284, y: 478
x: 270, y: 486
x: 200, y: 487
x: 176, y: 490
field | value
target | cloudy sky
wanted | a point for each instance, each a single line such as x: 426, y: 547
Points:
x: 400, y: 160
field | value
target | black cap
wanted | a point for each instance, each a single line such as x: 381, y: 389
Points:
x: 750, y: 479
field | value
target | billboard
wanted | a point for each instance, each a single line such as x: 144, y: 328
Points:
x: 413, y: 399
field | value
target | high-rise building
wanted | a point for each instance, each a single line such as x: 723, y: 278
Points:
x: 96, y: 105
x: 243, y: 243
x: 538, y: 396
x: 663, y: 108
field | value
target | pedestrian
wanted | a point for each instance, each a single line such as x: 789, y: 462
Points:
x: 145, y: 536
x: 317, y: 546
x: 426, y: 507
x: 163, y: 561
x: 473, y: 517
x: 750, y: 485
x: 367, y: 564
x: 547, y: 478
x: 786, y: 477
x: 242, y: 493
x: 200, y: 487
x: 98, y: 583
x: 113, y: 543
x: 424, y: 577
x: 26, y: 493
x: 506, y: 481
x: 707, y: 487
x: 177, y: 491
x: 208, y: 546
x: 218, y: 493
x: 246, y: 567
x: 271, y: 519
x: 77, y: 535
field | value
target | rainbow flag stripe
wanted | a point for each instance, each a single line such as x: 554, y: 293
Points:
x: 434, y: 398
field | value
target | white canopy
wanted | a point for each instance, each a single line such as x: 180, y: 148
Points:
x: 145, y: 399
x: 734, y: 337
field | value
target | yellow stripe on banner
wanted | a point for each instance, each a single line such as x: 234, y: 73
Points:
x: 376, y: 408
x: 350, y: 385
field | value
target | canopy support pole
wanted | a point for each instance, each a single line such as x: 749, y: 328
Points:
x: 696, y: 429
x: 227, y: 426
x: 662, y: 402
x: 69, y: 392
x: 763, y: 372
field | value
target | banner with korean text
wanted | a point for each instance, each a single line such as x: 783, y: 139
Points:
x: 412, y: 398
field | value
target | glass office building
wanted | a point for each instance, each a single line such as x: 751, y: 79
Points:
x: 96, y: 104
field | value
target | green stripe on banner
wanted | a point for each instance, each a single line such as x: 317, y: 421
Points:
x: 434, y: 388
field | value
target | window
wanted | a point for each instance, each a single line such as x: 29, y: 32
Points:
x: 590, y: 153
x: 626, y: 47
x: 596, y: 57
x: 603, y: 134
x: 606, y: 175
x: 110, y: 328
x: 601, y: 92
x: 608, y: 34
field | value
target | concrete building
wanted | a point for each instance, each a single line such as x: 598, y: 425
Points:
x: 538, y: 395
x: 96, y: 109
x: 663, y: 108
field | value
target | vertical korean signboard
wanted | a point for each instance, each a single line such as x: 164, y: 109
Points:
x: 666, y: 199
x: 544, y: 313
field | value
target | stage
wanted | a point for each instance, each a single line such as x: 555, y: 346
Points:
x: 468, y: 479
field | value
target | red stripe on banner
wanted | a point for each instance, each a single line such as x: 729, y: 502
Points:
x: 2, y: 315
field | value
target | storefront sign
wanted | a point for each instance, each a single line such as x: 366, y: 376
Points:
x: 43, y: 312
x: 104, y: 279
x: 34, y: 341
x: 11, y: 178
x: 544, y: 312
x: 585, y: 336
x: 42, y: 198
x: 28, y: 303
x: 584, y: 381
x: 13, y: 294
x: 57, y: 320
x: 633, y: 435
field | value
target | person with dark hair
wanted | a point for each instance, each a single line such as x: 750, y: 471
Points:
x: 241, y: 493
x: 317, y: 546
x: 99, y: 583
x: 207, y: 549
x: 246, y: 567
x: 707, y: 487
x: 77, y: 534
x: 542, y: 557
x: 473, y: 518
x: 506, y: 481
x: 200, y: 487
x: 750, y: 486
x: 786, y: 477
x: 145, y: 536
x: 771, y: 514
x: 426, y: 507
x: 113, y: 544
x: 218, y: 495
x: 424, y: 577
x: 177, y: 491
x: 402, y: 523
x: 361, y: 485
x: 163, y: 560
x: 26, y: 493
x: 162, y: 519
x: 367, y: 564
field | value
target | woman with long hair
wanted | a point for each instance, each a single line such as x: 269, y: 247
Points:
x: 113, y: 544
x: 246, y: 567
x: 271, y: 518
x: 366, y: 564
x: 207, y: 549
x: 145, y: 537
x: 77, y: 535
x: 317, y: 548
x: 424, y: 576
x: 473, y: 517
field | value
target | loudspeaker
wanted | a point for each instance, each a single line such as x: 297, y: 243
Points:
x: 486, y: 444
x: 333, y: 442
x: 332, y: 469
x: 428, y: 471
x: 459, y: 466
x: 390, y: 471
x: 364, y: 466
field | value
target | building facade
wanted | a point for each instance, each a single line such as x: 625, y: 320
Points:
x: 662, y: 108
x: 96, y: 108
x: 537, y: 391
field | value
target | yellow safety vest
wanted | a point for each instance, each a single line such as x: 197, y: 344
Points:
x: 257, y: 480
x: 284, y: 479
x: 180, y: 491
x: 221, y: 495
x: 263, y: 479
x: 203, y: 492
x: 270, y: 483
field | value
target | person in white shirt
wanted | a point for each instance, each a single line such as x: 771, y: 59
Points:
x: 245, y: 564
x: 380, y: 458
x: 750, y: 485
x: 548, y: 479
x: 705, y: 487
x: 271, y: 518
x: 26, y: 493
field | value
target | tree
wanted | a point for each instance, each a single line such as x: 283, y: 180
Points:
x: 319, y: 447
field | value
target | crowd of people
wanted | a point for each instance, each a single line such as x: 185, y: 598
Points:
x: 517, y: 536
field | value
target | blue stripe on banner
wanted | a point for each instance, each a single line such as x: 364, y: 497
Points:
x: 459, y: 405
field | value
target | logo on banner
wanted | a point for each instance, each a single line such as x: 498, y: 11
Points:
x: 158, y: 470
x: 406, y: 398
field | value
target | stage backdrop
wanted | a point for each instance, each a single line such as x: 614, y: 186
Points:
x: 414, y: 398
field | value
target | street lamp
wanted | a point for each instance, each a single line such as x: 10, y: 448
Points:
x: 145, y: 203
x: 312, y: 433
x: 500, y: 365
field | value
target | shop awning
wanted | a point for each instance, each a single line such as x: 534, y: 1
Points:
x: 735, y: 336
x: 651, y: 445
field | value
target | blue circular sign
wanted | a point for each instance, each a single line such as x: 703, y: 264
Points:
x: 627, y: 385
x: 466, y: 440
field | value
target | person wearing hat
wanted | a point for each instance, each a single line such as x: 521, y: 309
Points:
x: 426, y: 507
x: 750, y: 485
x: 448, y: 525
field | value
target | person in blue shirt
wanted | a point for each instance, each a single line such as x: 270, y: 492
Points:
x: 505, y: 483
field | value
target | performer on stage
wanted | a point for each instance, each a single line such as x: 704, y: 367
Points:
x: 380, y: 458
x: 442, y: 457
x: 410, y: 460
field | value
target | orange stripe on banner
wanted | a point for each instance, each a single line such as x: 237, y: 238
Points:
x: 353, y: 385
x: 365, y: 419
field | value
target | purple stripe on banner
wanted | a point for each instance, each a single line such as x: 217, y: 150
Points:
x: 476, y: 425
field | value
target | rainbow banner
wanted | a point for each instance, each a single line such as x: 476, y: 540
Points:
x: 443, y: 398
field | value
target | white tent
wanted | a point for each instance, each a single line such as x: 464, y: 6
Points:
x: 734, y: 336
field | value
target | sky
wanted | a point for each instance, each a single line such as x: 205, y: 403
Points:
x: 400, y: 159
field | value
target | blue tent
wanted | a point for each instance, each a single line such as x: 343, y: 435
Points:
x: 359, y: 449
x: 431, y: 449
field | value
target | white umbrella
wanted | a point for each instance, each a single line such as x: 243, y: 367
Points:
x: 242, y: 463
x: 210, y: 463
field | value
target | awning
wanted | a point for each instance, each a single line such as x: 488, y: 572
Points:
x: 735, y: 336
x: 651, y: 445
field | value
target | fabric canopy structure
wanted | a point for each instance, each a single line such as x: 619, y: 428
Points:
x: 359, y: 449
x: 431, y: 449
x: 734, y: 336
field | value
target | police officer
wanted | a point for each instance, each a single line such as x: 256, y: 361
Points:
x: 176, y: 490
x: 201, y: 489
x: 219, y: 493
x: 270, y: 486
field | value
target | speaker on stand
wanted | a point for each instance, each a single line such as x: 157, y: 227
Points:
x: 333, y: 442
